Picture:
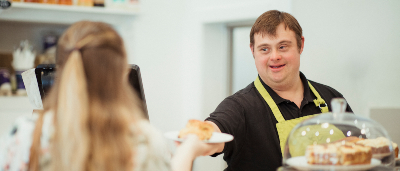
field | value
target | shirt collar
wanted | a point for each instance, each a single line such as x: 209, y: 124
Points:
x: 278, y: 99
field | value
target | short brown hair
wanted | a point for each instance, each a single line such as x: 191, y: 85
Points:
x: 269, y: 21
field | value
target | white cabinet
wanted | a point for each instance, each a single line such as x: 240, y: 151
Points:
x: 32, y: 21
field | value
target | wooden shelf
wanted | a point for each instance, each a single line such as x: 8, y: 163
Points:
x: 65, y: 14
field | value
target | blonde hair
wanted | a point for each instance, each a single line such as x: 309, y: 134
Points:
x: 94, y: 106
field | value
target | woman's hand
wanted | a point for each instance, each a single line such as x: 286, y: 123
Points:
x: 188, y: 150
x: 199, y: 147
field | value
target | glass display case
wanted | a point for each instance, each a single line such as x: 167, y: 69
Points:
x: 339, y: 141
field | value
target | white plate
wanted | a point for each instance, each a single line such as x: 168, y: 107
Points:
x: 215, y: 137
x: 301, y: 164
x: 380, y: 156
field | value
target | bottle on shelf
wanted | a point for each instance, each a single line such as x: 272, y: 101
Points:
x: 34, y: 1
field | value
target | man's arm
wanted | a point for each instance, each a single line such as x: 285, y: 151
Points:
x: 217, y: 147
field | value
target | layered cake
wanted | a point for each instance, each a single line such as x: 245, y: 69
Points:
x: 202, y: 129
x: 379, y: 146
x: 338, y: 153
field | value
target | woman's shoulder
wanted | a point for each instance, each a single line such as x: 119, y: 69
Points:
x: 147, y: 135
x: 151, y: 148
x: 16, y: 142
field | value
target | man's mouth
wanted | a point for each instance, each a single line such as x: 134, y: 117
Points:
x: 277, y: 66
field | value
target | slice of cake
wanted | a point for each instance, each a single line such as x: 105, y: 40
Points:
x: 396, y: 150
x: 355, y: 154
x: 338, y: 153
x: 379, y: 146
x: 202, y: 129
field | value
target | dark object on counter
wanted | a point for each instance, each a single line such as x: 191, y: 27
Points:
x: 20, y: 82
x: 98, y: 3
x: 378, y: 168
x: 45, y: 75
x: 49, y: 41
x: 5, y: 4
x: 4, y: 76
x: 5, y: 84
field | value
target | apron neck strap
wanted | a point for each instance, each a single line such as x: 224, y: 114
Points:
x: 275, y: 110
x: 264, y: 93
x: 319, y: 100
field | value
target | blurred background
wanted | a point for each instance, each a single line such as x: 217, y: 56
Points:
x: 192, y: 54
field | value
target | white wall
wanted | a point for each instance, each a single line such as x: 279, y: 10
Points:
x: 243, y: 66
x: 353, y: 47
x: 182, y: 49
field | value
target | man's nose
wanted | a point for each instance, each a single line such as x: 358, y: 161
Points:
x: 275, y: 55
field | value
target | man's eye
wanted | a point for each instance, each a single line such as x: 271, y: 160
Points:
x: 282, y: 47
x: 264, y: 49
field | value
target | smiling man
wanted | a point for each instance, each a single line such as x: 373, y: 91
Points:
x: 259, y: 115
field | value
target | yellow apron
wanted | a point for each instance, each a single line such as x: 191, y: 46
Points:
x: 284, y: 127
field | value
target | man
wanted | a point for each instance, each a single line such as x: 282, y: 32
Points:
x: 281, y: 93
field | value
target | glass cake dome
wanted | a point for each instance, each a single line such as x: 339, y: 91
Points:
x: 339, y: 141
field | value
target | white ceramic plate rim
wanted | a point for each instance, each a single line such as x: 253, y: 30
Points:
x: 301, y: 163
x: 215, y: 137
x: 380, y: 156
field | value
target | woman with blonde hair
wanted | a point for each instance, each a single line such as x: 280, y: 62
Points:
x: 92, y: 119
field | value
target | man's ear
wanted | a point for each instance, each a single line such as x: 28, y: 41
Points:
x: 252, y: 49
x: 302, y: 44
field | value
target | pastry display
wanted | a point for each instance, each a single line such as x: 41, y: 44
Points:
x: 338, y: 153
x: 364, y: 144
x: 349, y: 151
x: 202, y: 129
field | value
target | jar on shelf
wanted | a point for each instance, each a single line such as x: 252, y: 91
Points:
x: 65, y: 2
x: 88, y: 3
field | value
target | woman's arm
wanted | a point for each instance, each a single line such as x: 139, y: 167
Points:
x: 191, y: 148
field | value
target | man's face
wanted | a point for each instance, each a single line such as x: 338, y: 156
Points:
x: 277, y: 58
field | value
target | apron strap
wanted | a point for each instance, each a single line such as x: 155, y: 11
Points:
x: 319, y: 100
x: 275, y: 110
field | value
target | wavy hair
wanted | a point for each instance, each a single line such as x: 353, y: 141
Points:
x: 93, y: 104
